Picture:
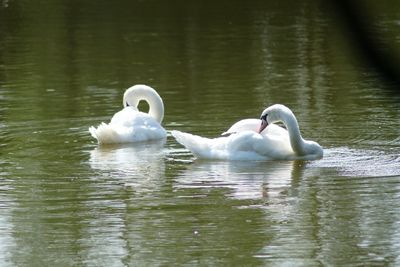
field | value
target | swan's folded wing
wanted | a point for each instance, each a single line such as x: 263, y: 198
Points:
x: 238, y: 146
x: 244, y: 125
x: 246, y: 145
x: 251, y: 145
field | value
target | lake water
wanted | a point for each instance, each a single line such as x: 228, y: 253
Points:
x: 65, y: 201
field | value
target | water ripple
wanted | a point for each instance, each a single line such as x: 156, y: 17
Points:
x: 360, y: 162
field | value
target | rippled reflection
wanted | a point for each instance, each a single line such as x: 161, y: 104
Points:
x: 309, y: 206
x: 137, y: 165
x: 245, y: 180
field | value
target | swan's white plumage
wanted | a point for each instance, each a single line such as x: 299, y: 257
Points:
x: 253, y: 125
x: 243, y: 125
x: 245, y: 143
x: 131, y: 125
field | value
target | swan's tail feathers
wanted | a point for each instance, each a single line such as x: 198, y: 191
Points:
x: 199, y: 146
x: 92, y: 131
x: 104, y: 134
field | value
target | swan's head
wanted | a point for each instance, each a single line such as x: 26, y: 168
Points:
x: 272, y: 114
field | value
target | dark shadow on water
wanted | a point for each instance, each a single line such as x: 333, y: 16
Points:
x: 361, y: 31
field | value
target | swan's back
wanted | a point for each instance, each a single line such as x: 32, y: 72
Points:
x: 127, y: 126
x: 243, y: 125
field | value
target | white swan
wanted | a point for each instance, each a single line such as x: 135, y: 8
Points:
x: 131, y: 125
x: 251, y: 139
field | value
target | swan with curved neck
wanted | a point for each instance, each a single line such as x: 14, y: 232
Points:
x: 130, y: 124
x: 256, y: 139
x: 281, y: 113
x: 139, y: 92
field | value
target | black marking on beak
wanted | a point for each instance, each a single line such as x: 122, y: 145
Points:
x: 264, y: 123
x: 264, y: 117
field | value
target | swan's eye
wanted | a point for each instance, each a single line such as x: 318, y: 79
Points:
x: 264, y: 117
x: 127, y: 104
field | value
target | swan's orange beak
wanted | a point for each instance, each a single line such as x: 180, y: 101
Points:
x: 263, y: 125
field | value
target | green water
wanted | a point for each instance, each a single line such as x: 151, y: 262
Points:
x: 64, y: 201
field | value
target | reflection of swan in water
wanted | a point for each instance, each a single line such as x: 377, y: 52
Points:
x: 246, y: 180
x: 249, y: 179
x: 139, y: 165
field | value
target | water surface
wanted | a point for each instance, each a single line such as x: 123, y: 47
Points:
x: 66, y: 201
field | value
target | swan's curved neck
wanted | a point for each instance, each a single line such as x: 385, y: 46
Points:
x: 136, y: 93
x: 296, y: 140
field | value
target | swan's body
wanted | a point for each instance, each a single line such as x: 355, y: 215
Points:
x: 249, y: 141
x: 254, y: 125
x: 130, y: 124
